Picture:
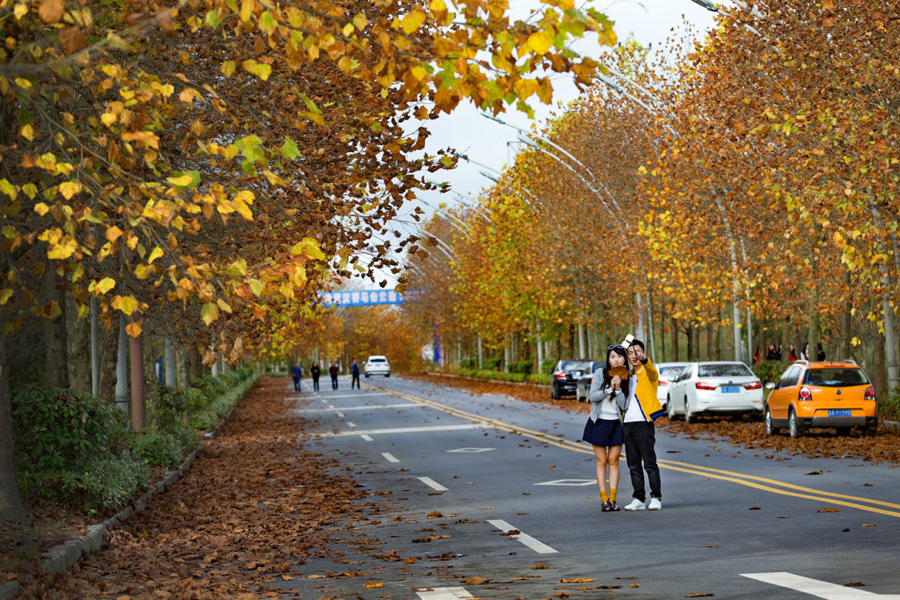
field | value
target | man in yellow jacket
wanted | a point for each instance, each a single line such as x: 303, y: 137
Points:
x: 640, y: 409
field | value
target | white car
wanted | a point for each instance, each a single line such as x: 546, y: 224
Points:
x: 377, y: 365
x: 714, y: 388
x: 667, y: 372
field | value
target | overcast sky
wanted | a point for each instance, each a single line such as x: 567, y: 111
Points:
x: 649, y: 22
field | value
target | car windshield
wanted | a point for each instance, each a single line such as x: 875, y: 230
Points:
x: 671, y: 371
x: 724, y: 370
x: 576, y: 365
x: 836, y: 377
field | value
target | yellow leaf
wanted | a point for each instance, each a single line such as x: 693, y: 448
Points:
x: 69, y: 189
x: 181, y: 181
x: 27, y: 132
x: 51, y: 11
x: 105, y: 284
x: 5, y: 295
x: 309, y: 247
x: 228, y: 68
x: 437, y: 6
x: 20, y: 10
x: 157, y: 252
x: 539, y: 42
x: 41, y: 208
x: 113, y: 233
x: 256, y: 287
x: 348, y: 30
x: 223, y: 305
x: 412, y: 21
x: 126, y: 304
x: 108, y: 119
x: 360, y: 21
x: 133, y: 329
x: 62, y: 249
x: 209, y: 312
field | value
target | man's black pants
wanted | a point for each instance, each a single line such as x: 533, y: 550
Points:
x: 640, y: 439
x: 355, y: 380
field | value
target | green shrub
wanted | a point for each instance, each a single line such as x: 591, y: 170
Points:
x: 73, y: 449
x: 523, y: 366
x: 539, y: 378
x: 889, y: 405
x: 163, y: 447
x: 769, y: 370
x: 547, y: 365
x: 468, y: 363
x: 490, y: 364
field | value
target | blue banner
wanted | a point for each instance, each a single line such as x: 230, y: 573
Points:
x: 361, y: 298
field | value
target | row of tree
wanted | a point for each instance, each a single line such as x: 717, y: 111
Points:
x: 202, y: 168
x: 745, y: 191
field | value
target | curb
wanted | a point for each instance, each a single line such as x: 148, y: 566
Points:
x: 891, y: 424
x: 524, y: 383
x: 63, y: 556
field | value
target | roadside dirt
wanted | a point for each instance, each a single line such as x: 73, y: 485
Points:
x: 883, y: 447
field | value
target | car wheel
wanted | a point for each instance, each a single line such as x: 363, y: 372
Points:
x: 794, y: 427
x: 367, y: 375
x: 869, y: 430
x: 844, y: 431
x: 770, y: 429
x: 387, y: 374
x: 670, y: 408
x: 687, y: 411
x: 554, y: 393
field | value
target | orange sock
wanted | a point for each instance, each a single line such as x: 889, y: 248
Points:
x: 612, y: 494
x: 603, y: 496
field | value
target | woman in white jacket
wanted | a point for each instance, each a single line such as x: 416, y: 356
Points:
x: 603, y: 429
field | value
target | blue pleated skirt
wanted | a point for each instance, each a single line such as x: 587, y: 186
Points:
x: 604, y: 433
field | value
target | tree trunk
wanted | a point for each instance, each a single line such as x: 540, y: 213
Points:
x: 879, y: 373
x: 710, y: 340
x: 78, y: 338
x: 109, y: 353
x: 138, y: 406
x: 813, y: 334
x: 674, y: 340
x: 55, y: 348
x: 845, y: 336
x: 10, y: 496
x: 690, y: 342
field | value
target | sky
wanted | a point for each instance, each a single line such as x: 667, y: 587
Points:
x: 490, y: 145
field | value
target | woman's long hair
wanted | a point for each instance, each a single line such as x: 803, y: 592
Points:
x: 607, y: 378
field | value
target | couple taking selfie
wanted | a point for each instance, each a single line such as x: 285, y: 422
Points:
x: 623, y: 408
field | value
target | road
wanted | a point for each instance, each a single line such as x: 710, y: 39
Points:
x: 460, y: 471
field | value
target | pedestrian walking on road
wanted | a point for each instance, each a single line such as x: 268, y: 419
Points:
x: 333, y: 371
x: 641, y: 408
x: 354, y: 372
x: 603, y: 429
x: 315, y: 371
x: 297, y: 373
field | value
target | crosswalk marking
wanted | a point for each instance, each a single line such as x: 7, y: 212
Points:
x: 454, y: 593
x: 814, y: 587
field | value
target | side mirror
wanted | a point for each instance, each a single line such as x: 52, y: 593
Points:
x: 770, y: 386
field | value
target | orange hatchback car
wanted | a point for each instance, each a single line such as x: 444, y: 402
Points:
x: 821, y: 394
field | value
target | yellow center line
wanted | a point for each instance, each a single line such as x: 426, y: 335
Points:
x: 731, y: 476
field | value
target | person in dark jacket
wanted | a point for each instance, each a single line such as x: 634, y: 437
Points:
x: 354, y: 371
x: 333, y: 371
x: 297, y: 373
x: 315, y: 371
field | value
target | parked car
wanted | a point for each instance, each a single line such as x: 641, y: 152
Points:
x: 667, y: 372
x: 377, y: 365
x: 714, y: 388
x: 583, y: 387
x: 565, y: 375
x: 821, y: 394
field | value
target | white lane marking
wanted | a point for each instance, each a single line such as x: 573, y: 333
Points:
x: 340, y: 414
x: 366, y: 394
x: 571, y: 482
x: 454, y: 593
x: 814, y: 587
x: 366, y: 407
x: 433, y: 484
x: 367, y: 438
x: 471, y: 450
x: 409, y: 429
x: 351, y: 424
x: 539, y: 547
x: 390, y: 457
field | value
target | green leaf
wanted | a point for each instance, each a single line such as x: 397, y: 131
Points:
x: 213, y: 18
x: 290, y: 150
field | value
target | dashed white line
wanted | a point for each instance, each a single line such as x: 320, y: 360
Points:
x: 454, y: 593
x: 410, y: 429
x: 539, y: 547
x: 363, y: 407
x: 433, y: 484
x: 366, y: 437
x: 390, y: 457
x: 340, y: 414
x: 351, y: 424
x: 814, y: 587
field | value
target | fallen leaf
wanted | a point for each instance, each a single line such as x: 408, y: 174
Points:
x: 373, y: 584
x: 539, y: 566
x: 577, y: 580
x: 475, y: 580
x: 436, y: 514
x: 511, y: 532
x: 855, y: 584
x: 698, y: 595
x: 828, y: 509
x: 868, y: 524
x: 609, y: 586
x: 634, y: 585
x: 754, y: 508
x: 782, y: 517
x: 814, y: 473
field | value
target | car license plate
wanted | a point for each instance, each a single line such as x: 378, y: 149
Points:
x: 729, y: 389
x: 838, y: 412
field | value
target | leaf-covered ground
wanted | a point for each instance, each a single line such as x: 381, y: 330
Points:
x: 884, y: 447
x: 253, y: 505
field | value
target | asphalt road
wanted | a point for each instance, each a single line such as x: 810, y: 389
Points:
x: 458, y: 472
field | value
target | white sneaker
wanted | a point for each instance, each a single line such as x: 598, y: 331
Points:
x: 637, y: 505
x: 655, y: 504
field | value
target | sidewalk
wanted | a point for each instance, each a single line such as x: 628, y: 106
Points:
x: 254, y: 504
